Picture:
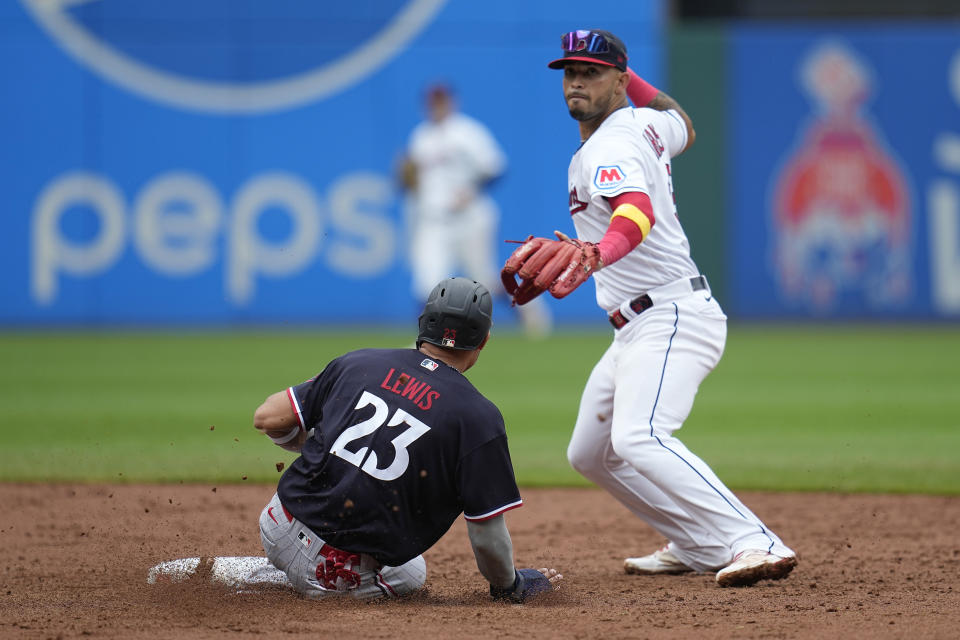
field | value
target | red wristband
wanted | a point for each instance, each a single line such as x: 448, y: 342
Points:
x: 625, y: 233
x: 639, y: 90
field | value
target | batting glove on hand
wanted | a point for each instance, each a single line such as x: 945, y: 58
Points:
x: 528, y: 583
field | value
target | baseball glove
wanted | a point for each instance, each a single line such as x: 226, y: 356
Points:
x: 559, y: 265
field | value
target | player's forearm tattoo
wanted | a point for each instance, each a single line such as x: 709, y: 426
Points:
x: 662, y: 102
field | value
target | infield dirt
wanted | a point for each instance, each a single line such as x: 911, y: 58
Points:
x: 76, y: 559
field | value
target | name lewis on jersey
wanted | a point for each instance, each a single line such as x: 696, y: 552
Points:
x: 576, y: 204
x: 406, y: 386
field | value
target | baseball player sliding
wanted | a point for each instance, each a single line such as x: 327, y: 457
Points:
x: 669, y: 330
x: 394, y: 445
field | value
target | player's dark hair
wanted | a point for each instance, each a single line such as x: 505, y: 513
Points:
x: 457, y: 315
x: 441, y: 91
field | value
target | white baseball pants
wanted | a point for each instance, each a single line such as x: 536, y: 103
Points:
x: 297, y: 551
x: 638, y: 394
x: 464, y: 244
x: 454, y: 243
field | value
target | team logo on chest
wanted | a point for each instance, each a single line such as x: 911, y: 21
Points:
x: 609, y: 177
x: 576, y: 204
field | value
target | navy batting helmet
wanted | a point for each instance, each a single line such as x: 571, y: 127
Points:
x: 457, y: 315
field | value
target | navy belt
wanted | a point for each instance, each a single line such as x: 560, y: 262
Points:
x: 643, y: 302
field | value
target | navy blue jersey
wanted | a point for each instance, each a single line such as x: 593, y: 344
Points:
x: 401, y: 446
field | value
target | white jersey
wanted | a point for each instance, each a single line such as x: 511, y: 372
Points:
x: 642, y: 389
x: 452, y: 156
x: 631, y: 151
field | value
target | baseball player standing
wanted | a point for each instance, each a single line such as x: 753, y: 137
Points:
x: 394, y: 445
x: 452, y: 221
x: 669, y: 330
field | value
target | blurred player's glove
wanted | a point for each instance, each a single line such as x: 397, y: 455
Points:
x: 528, y: 582
x: 559, y: 265
x: 407, y: 174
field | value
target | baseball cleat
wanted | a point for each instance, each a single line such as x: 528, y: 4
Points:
x: 751, y: 566
x: 660, y: 561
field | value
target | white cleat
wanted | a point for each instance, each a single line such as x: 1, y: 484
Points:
x: 244, y: 573
x: 660, y: 561
x: 753, y: 565
x: 247, y: 572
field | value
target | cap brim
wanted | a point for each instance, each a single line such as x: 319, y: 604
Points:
x: 559, y: 63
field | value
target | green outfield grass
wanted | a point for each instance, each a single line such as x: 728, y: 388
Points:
x: 840, y: 408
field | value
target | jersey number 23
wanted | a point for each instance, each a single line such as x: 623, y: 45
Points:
x: 368, y: 426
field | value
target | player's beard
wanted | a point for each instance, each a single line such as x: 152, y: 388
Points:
x: 584, y: 113
x: 579, y: 114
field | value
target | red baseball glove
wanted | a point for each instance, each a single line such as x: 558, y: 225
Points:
x: 581, y: 265
x: 559, y: 265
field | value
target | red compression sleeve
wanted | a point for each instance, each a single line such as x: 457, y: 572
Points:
x: 639, y: 90
x: 630, y: 223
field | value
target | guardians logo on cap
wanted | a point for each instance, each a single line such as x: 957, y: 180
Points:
x: 589, y: 45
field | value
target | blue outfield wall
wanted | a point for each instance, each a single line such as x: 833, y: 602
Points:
x: 844, y: 170
x: 230, y: 162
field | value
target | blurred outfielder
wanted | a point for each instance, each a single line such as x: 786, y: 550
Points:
x: 450, y: 162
